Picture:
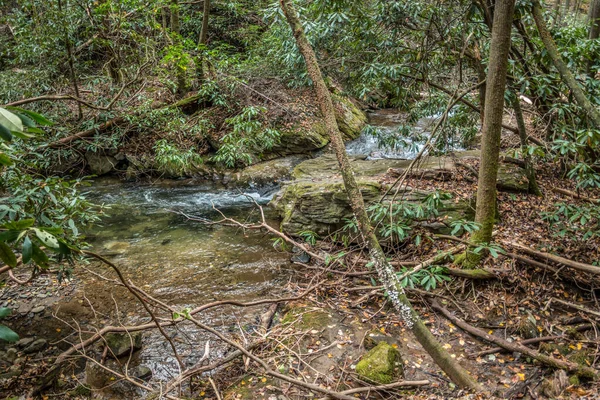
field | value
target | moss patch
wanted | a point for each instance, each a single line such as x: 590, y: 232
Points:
x: 382, y: 364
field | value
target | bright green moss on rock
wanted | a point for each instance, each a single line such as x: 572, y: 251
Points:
x: 382, y: 364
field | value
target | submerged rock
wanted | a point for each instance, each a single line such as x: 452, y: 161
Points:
x: 382, y: 364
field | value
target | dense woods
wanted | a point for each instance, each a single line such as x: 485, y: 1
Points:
x: 299, y: 199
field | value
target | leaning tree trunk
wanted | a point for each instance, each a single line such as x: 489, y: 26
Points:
x: 384, y: 270
x: 562, y: 68
x: 485, y: 210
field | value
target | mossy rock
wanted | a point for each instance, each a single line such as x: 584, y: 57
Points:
x: 306, y: 319
x: 121, y: 344
x: 382, y: 364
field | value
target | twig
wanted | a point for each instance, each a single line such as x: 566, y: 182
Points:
x: 575, y: 195
x: 577, y: 307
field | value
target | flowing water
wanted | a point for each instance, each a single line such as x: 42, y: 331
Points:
x: 388, y: 121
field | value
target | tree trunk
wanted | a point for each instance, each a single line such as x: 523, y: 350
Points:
x: 71, y: 59
x: 529, y: 171
x: 594, y: 21
x: 205, y: 15
x: 556, y: 13
x: 485, y: 210
x: 384, y: 270
x: 566, y: 10
x: 562, y: 68
x: 175, y: 16
x: 202, y: 42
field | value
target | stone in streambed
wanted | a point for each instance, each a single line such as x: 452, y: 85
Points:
x: 121, y: 344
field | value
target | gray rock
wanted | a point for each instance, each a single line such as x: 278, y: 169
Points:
x: 25, y: 342
x: 121, y: 344
x: 142, y: 372
x: 13, y: 371
x: 38, y: 309
x: 100, y: 164
x: 11, y: 355
x: 36, y: 346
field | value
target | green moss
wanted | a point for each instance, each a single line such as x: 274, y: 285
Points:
x: 574, y: 380
x: 81, y: 390
x: 311, y: 319
x: 382, y: 364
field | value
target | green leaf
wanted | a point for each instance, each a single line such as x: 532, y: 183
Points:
x: 20, y: 224
x: 38, y: 118
x: 22, y: 135
x: 8, y: 334
x: 5, y: 160
x: 27, y: 250
x: 5, y: 312
x: 5, y: 133
x: 47, y: 238
x: 9, y: 236
x: 10, y: 121
x: 40, y: 258
x: 7, y: 255
x: 28, y: 122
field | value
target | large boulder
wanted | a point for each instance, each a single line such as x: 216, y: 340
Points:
x: 311, y: 134
x: 100, y: 164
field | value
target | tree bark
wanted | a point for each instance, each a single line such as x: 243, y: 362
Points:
x: 384, y: 270
x: 202, y: 40
x: 175, y: 27
x: 485, y: 210
x: 71, y: 60
x: 529, y: 171
x: 205, y: 15
x: 562, y: 68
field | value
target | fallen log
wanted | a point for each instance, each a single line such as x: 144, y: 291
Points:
x: 514, y: 347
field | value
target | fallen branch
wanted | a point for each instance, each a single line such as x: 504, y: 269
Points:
x: 113, y: 122
x: 380, y: 388
x: 536, y: 340
x: 435, y: 259
x: 577, y: 307
x: 575, y: 195
x: 557, y: 259
x: 513, y: 347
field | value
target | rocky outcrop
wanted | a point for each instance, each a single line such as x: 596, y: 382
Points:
x: 316, y: 200
x: 312, y: 135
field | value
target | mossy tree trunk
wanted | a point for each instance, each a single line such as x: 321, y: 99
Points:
x: 594, y: 20
x: 485, y: 210
x: 175, y: 26
x: 385, y: 271
x: 562, y: 68
x: 529, y: 170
